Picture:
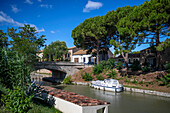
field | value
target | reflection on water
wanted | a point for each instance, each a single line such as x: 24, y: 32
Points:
x: 124, y: 102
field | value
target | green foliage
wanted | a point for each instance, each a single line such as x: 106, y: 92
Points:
x: 168, y: 67
x: 110, y: 64
x: 87, y: 76
x: 126, y: 78
x: 15, y: 101
x: 112, y: 74
x: 163, y: 45
x: 55, y: 50
x: 135, y: 66
x: 146, y: 69
x: 26, y: 42
x: 3, y: 39
x: 68, y: 80
x: 97, y: 69
x: 141, y: 82
x: 92, y: 34
x: 119, y: 65
x: 99, y: 77
x: 165, y: 79
x: 13, y: 70
x: 134, y: 80
x: 40, y: 106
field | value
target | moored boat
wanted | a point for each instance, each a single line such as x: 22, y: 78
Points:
x: 107, y: 85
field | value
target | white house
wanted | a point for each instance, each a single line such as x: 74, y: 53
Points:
x: 82, y: 56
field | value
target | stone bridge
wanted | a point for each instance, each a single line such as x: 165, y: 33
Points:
x: 60, y: 70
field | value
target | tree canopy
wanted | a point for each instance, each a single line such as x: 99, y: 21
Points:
x: 55, y: 50
x: 26, y: 42
x: 92, y: 34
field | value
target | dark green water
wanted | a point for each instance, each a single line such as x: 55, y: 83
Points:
x: 124, y: 102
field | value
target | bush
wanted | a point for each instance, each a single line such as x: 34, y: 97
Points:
x: 68, y: 80
x: 168, y: 67
x: 119, y: 65
x: 16, y: 101
x: 112, y: 74
x: 97, y: 69
x: 166, y: 79
x: 134, y: 80
x: 100, y: 77
x: 135, y: 66
x: 145, y: 69
x: 110, y: 63
x: 87, y: 77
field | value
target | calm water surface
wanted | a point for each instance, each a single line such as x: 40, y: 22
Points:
x: 124, y: 102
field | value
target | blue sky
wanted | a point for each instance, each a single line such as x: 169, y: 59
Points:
x: 56, y: 18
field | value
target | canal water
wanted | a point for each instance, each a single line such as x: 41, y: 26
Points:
x: 124, y: 102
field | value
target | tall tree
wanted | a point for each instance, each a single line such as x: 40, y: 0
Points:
x: 55, y: 50
x: 126, y: 32
x: 156, y: 19
x: 92, y: 34
x: 3, y: 39
x: 26, y: 42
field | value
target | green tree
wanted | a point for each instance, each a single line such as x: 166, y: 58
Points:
x: 26, y: 42
x: 55, y: 50
x: 156, y: 21
x: 126, y: 36
x: 92, y: 35
x: 3, y: 39
x: 162, y: 46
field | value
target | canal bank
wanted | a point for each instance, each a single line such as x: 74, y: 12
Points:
x: 124, y: 102
x: 135, y: 90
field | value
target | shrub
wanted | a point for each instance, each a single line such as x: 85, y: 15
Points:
x: 135, y: 66
x: 126, y: 80
x: 100, y: 77
x: 97, y: 69
x: 166, y: 79
x: 68, y: 80
x: 87, y: 77
x: 168, y: 67
x: 112, y: 74
x: 119, y: 65
x: 141, y: 82
x: 145, y: 69
x: 16, y: 101
x: 111, y: 63
x: 134, y: 80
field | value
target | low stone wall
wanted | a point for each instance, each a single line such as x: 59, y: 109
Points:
x: 157, y: 93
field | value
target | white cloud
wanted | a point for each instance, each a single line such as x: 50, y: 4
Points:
x: 40, y: 0
x: 7, y: 19
x: 52, y: 32
x: 28, y: 2
x: 15, y: 9
x: 92, y: 6
x: 46, y: 5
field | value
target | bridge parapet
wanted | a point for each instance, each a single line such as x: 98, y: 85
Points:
x: 61, y: 63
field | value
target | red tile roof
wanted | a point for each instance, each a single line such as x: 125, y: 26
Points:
x: 73, y: 97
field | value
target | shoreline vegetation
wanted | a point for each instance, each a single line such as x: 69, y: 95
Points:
x: 149, y: 81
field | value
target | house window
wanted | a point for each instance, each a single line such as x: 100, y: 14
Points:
x: 89, y: 59
x: 68, y: 54
x: 76, y: 59
x: 84, y: 59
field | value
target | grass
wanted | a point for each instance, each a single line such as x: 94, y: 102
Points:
x: 39, y: 106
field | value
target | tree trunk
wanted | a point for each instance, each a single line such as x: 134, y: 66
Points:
x: 97, y: 51
x: 125, y: 57
x: 158, y: 57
